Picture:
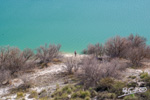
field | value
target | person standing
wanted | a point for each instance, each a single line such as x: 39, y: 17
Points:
x: 75, y: 53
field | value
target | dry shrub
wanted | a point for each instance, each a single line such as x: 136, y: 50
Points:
x: 113, y: 68
x: 93, y: 70
x: 47, y: 53
x: 137, y: 50
x: 96, y: 49
x: 136, y: 41
x: 133, y: 48
x: 72, y: 65
x: 115, y: 47
x: 13, y: 60
x: 27, y: 54
x: 136, y: 55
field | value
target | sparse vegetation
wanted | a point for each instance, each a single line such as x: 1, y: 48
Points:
x: 95, y: 78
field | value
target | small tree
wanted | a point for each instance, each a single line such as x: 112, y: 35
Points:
x: 47, y: 53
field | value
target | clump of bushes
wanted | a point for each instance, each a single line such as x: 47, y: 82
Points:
x: 137, y: 49
x: 93, y: 70
x: 133, y: 48
x: 13, y: 60
x: 107, y: 88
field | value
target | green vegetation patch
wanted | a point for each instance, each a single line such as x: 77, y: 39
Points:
x: 71, y: 92
x: 20, y: 95
x: 132, y: 77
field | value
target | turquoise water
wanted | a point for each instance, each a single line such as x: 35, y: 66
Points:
x: 71, y: 23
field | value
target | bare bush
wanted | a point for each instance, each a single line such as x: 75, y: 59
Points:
x: 113, y: 68
x: 137, y: 50
x: 115, y: 47
x: 47, y: 53
x: 136, y: 55
x: 136, y: 41
x: 96, y: 49
x: 27, y: 54
x: 72, y: 65
x: 13, y: 59
x: 93, y: 70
